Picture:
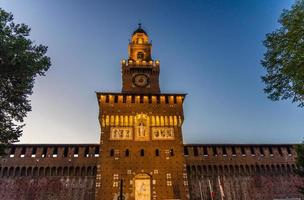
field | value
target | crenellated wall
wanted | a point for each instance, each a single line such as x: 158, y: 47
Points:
x: 66, y: 171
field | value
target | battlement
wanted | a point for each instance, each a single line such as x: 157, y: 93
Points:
x: 163, y: 98
x: 140, y: 63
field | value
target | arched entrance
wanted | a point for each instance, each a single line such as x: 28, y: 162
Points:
x: 142, y: 187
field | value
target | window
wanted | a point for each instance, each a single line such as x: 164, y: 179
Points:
x: 65, y: 152
x: 195, y: 151
x: 142, y: 152
x: 243, y: 151
x: 96, y: 152
x: 76, y: 150
x: 23, y: 150
x: 214, y: 151
x: 169, y: 183
x: 270, y: 151
x: 252, y: 151
x: 112, y: 152
x: 157, y: 152
x: 224, y: 151
x: 261, y: 151
x: 233, y: 151
x: 12, y: 154
x: 186, y: 152
x: 205, y: 151
x: 289, y: 151
x: 127, y: 153
x: 34, y: 150
x: 280, y: 151
x: 86, y: 152
x: 44, y: 152
x: 55, y: 152
x: 171, y: 152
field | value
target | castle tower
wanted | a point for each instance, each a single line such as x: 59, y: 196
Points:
x: 141, y: 133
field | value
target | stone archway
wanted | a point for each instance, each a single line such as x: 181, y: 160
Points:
x: 142, y: 189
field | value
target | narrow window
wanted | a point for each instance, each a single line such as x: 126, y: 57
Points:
x: 171, y: 152
x: 205, y: 151
x: 288, y: 150
x: 195, y: 151
x: 34, y: 150
x: 115, y: 99
x: 261, y: 151
x: 214, y: 151
x: 44, y: 152
x: 127, y: 153
x: 280, y: 151
x: 86, y: 152
x: 157, y: 152
x: 76, y: 151
x: 270, y: 151
x: 107, y: 98
x: 112, y: 152
x: 166, y: 99
x: 142, y: 152
x: 186, y: 152
x: 133, y: 99
x: 55, y: 152
x: 65, y: 152
x: 252, y: 151
x: 174, y: 99
x: 243, y: 151
x: 224, y: 151
x: 13, y: 150
x: 158, y: 99
x: 23, y: 150
x: 96, y: 151
x: 141, y: 100
x: 233, y: 151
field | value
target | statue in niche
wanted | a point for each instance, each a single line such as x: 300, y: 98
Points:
x: 142, y: 127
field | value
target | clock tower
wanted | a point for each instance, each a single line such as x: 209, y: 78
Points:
x: 140, y: 74
x: 141, y: 143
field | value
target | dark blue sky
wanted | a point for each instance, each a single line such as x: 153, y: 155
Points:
x: 208, y: 49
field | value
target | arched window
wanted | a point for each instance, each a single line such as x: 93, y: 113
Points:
x: 171, y: 152
x: 142, y: 152
x: 157, y: 152
x: 127, y: 153
x: 112, y: 152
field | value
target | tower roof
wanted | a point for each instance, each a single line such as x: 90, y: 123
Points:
x: 139, y: 30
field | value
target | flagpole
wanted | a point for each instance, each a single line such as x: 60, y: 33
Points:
x: 200, y: 187
x: 211, y: 190
x: 221, y: 188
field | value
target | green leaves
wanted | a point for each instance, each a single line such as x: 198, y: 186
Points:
x: 20, y: 62
x: 284, y: 58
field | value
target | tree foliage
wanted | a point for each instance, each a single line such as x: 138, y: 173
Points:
x: 300, y: 163
x: 20, y: 63
x: 284, y: 58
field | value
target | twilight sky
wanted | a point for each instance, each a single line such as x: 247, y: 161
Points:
x: 209, y: 49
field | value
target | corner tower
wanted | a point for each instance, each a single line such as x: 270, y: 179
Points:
x: 141, y: 139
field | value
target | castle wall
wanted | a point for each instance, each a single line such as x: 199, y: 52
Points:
x: 64, y: 172
x: 243, y: 171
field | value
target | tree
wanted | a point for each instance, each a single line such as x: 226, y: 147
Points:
x: 284, y: 58
x: 20, y: 63
x: 300, y: 163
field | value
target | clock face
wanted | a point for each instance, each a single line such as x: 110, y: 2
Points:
x: 141, y: 80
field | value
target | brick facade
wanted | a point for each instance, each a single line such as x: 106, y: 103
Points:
x: 245, y: 172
